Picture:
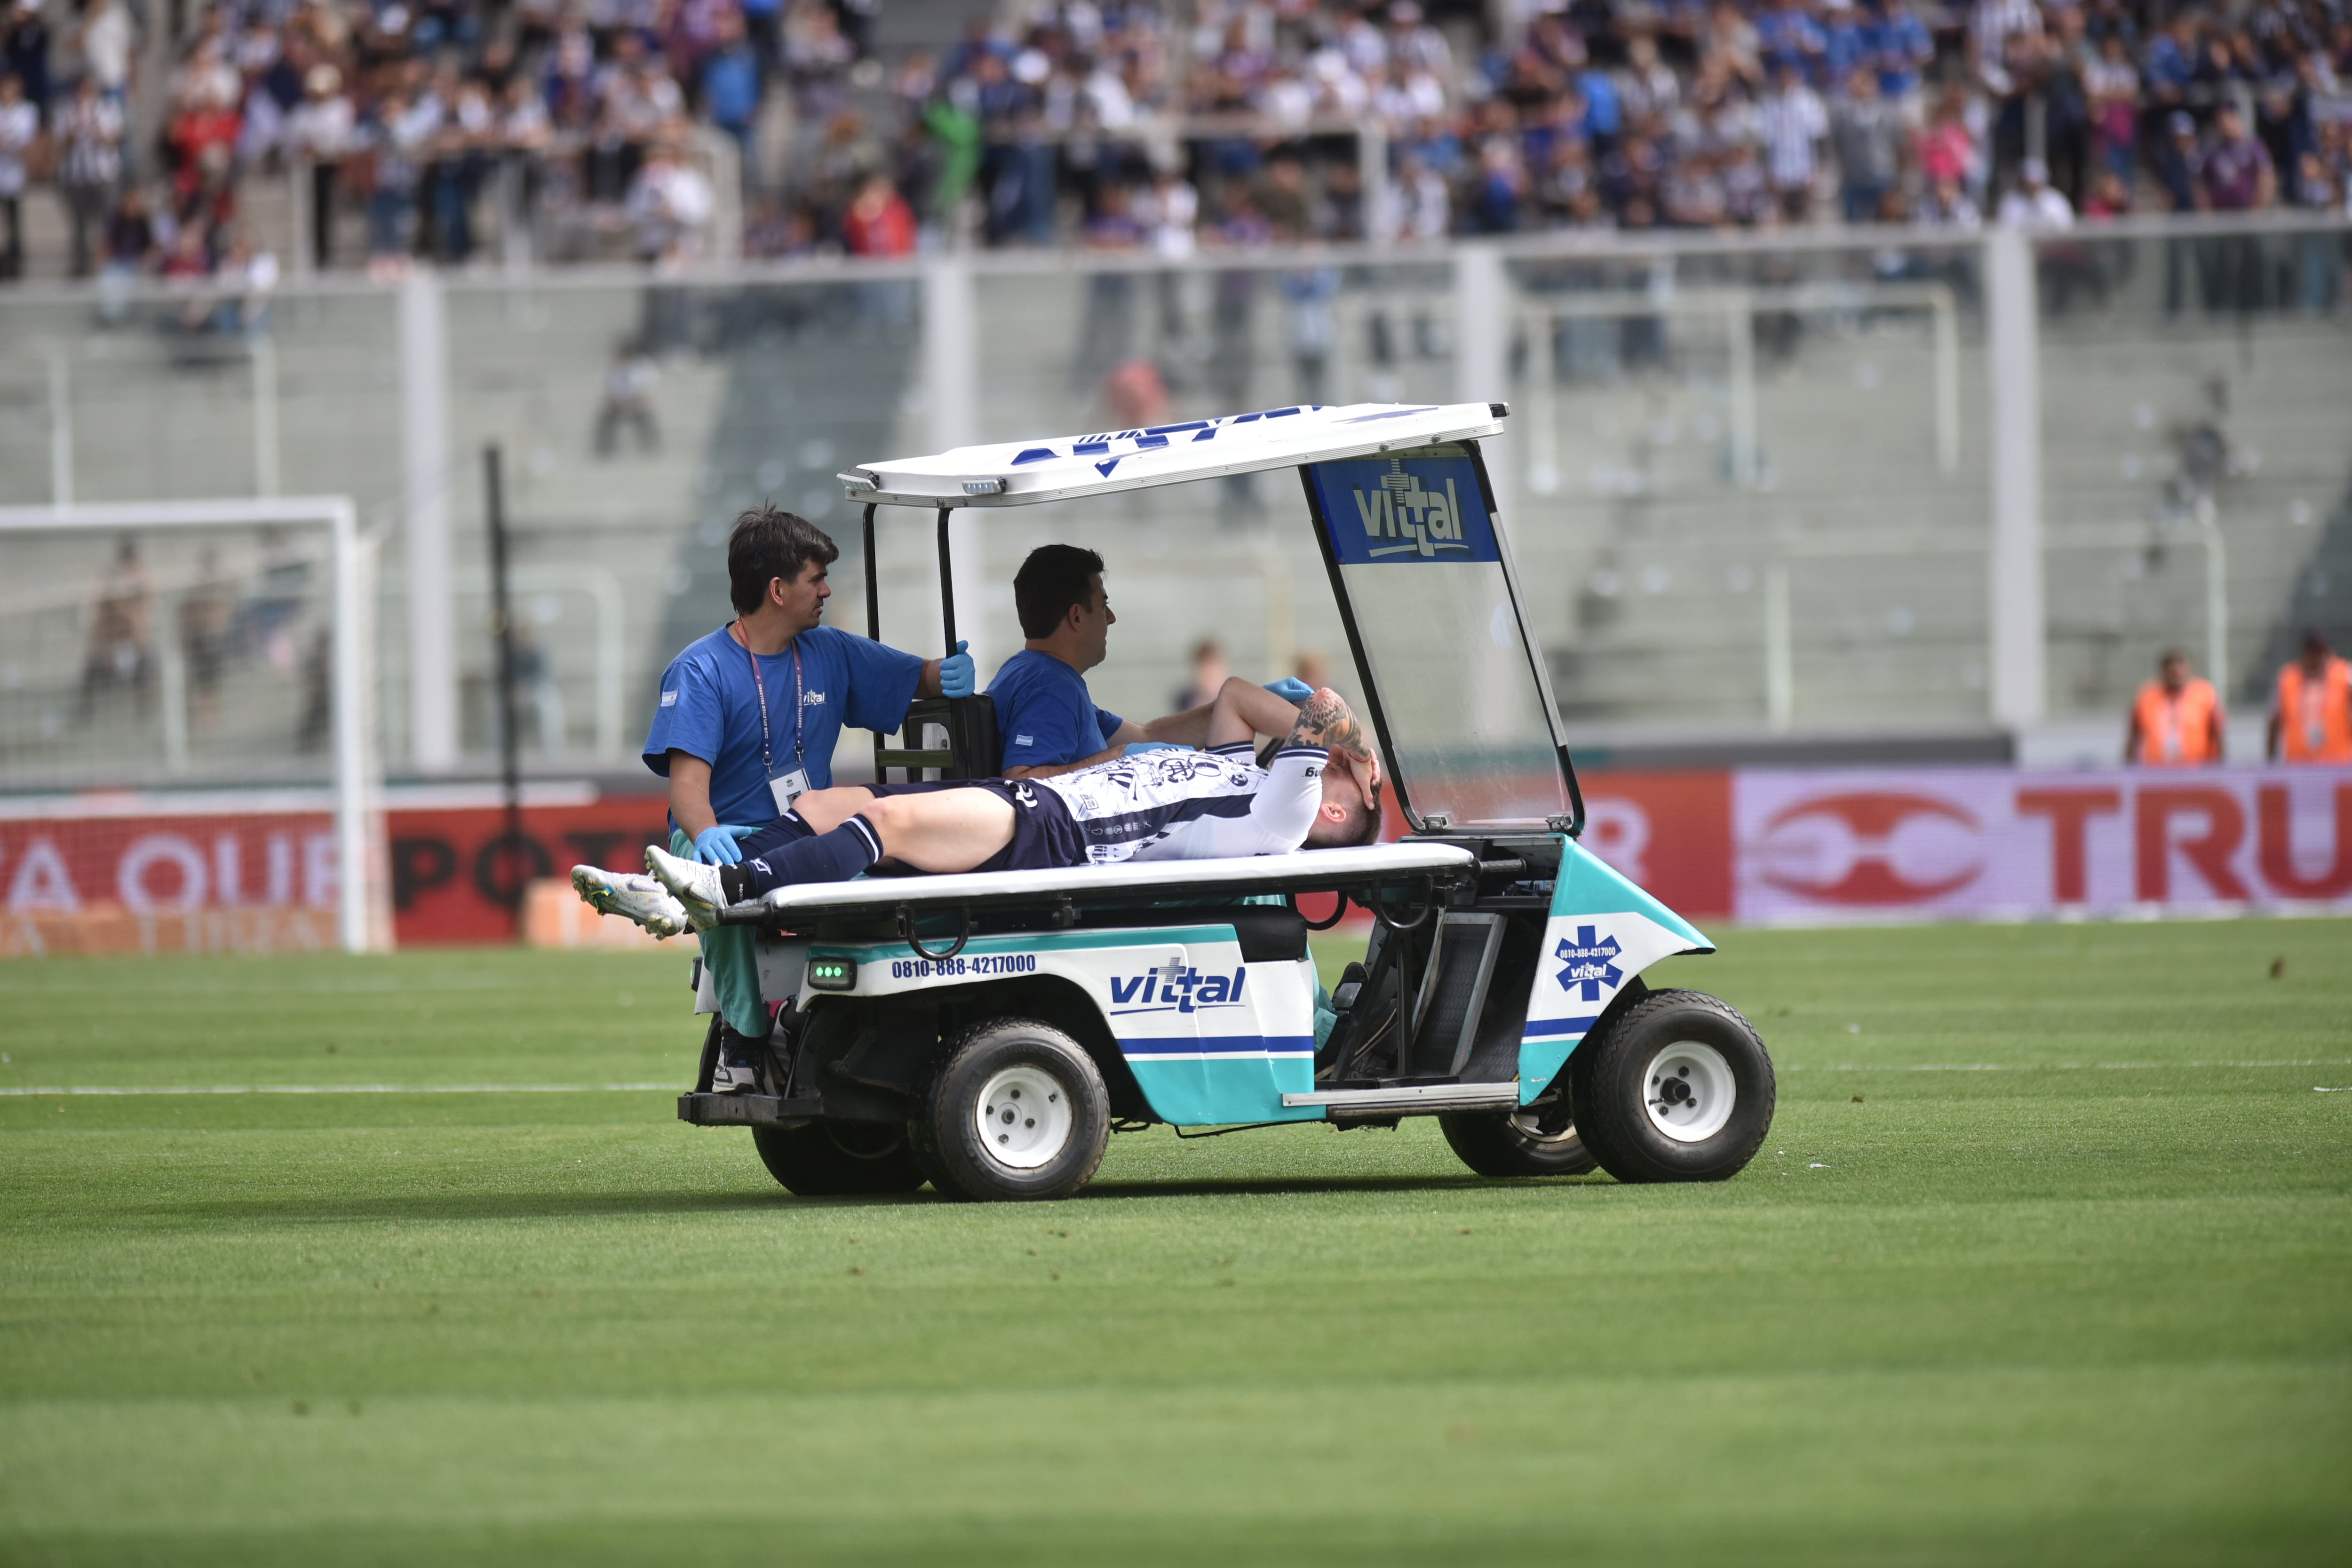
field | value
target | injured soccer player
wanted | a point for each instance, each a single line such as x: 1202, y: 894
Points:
x: 1319, y: 789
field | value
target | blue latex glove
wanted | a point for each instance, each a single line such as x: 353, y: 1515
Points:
x: 956, y: 676
x: 1137, y: 748
x: 1290, y: 689
x: 717, y: 846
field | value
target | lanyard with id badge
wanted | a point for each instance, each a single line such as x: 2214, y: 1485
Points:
x: 788, y: 786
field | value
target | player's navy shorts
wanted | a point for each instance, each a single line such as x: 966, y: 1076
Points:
x: 1045, y: 837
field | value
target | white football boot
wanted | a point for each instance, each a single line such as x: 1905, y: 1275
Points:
x: 695, y: 885
x: 633, y: 898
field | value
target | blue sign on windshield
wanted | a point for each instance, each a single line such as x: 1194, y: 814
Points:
x: 1403, y: 511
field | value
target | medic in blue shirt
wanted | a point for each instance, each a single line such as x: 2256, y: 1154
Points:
x: 1045, y: 715
x: 747, y: 718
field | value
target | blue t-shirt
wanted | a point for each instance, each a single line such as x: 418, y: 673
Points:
x: 709, y: 709
x: 1045, y: 713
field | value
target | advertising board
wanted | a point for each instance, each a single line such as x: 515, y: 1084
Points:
x: 1832, y: 846
x: 1759, y: 846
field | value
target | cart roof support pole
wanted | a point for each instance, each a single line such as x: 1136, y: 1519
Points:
x: 947, y: 584
x: 873, y: 583
x: 872, y: 618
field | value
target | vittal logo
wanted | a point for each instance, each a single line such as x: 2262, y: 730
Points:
x: 1422, y: 520
x: 1588, y: 961
x: 1174, y: 987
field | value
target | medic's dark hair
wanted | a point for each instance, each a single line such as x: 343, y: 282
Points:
x: 767, y: 544
x: 1054, y: 577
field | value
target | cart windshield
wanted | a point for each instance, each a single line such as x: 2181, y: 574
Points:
x: 1417, y: 563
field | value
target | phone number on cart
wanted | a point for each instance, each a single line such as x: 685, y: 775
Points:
x: 933, y: 968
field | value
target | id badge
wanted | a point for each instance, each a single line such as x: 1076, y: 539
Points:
x: 788, y: 788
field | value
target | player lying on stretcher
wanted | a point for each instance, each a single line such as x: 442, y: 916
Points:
x: 1320, y: 790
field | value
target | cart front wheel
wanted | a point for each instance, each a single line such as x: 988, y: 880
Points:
x: 838, y: 1158
x: 1018, y: 1110
x: 1678, y: 1088
x: 1527, y: 1142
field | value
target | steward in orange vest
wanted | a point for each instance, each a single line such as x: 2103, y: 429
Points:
x: 2176, y: 720
x: 2311, y: 717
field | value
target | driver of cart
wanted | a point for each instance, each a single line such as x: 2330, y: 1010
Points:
x: 1319, y: 790
x: 1048, y: 717
x: 748, y: 720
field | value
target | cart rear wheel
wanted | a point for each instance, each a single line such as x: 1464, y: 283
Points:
x: 1018, y: 1110
x: 924, y: 1150
x: 1518, y: 1142
x: 836, y: 1159
x: 1678, y: 1088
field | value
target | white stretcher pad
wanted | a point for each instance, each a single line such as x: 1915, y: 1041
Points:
x: 1059, y: 467
x: 1304, y: 871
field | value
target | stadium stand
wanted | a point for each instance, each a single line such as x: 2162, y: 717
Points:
x: 672, y: 129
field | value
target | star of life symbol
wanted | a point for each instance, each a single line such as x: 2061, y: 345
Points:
x: 1588, y: 961
x: 1425, y: 520
x: 1177, y: 980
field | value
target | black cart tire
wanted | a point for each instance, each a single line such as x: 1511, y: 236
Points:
x: 924, y: 1150
x: 839, y: 1159
x: 1017, y: 1111
x: 1518, y: 1142
x: 1677, y: 1088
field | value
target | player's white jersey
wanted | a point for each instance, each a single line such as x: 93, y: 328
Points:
x: 1192, y: 806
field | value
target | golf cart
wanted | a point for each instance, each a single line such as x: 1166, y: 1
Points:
x: 986, y: 1032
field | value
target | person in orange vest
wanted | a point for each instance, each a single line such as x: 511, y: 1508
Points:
x: 2177, y: 720
x: 2311, y: 717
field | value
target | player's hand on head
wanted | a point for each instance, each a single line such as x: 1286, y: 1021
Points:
x: 957, y: 676
x: 717, y: 846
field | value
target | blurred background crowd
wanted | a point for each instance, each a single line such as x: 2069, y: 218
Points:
x: 174, y: 138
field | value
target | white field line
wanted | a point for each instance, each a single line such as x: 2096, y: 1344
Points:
x: 2053, y: 1066
x: 350, y: 1089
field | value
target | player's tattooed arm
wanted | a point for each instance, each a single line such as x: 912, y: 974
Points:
x: 1324, y: 720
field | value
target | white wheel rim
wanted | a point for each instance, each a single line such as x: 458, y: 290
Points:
x: 1024, y: 1117
x: 1530, y: 1124
x: 1689, y: 1091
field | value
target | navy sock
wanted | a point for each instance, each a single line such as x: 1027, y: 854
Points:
x: 789, y: 828
x: 833, y: 856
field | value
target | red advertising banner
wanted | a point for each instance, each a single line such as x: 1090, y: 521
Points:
x: 455, y: 877
x: 1835, y: 845
x: 1670, y: 832
x: 1765, y: 846
x: 103, y: 875
x: 168, y: 864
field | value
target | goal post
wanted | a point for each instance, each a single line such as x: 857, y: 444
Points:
x: 260, y: 616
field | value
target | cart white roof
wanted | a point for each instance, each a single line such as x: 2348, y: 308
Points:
x: 1129, y: 882
x: 1061, y: 468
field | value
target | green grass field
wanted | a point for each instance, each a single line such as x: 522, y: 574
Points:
x: 2048, y: 1259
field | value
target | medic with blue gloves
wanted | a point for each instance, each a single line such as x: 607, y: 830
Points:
x: 1046, y: 716
x: 749, y: 716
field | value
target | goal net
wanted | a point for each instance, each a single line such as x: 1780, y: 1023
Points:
x: 189, y: 758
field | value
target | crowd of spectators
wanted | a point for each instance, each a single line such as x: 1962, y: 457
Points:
x: 597, y: 126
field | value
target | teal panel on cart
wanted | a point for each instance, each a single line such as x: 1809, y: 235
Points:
x: 1216, y: 1081
x: 1602, y: 930
x: 1589, y: 885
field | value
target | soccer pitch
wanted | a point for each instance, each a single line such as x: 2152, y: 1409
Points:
x: 2048, y: 1259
